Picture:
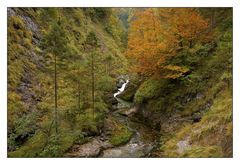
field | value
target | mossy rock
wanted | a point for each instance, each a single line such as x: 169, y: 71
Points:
x: 128, y: 93
x: 118, y: 133
x: 121, y: 137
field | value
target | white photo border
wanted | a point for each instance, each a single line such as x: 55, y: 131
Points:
x: 119, y: 3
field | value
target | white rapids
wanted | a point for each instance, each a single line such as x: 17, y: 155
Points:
x: 120, y: 90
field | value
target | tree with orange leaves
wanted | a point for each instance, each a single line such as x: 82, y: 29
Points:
x: 187, y: 25
x: 156, y: 35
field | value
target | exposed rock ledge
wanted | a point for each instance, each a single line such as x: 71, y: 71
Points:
x: 92, y: 148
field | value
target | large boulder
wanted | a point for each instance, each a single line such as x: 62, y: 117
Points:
x: 129, y: 92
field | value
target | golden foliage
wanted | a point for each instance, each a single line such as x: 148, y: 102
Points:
x: 155, y: 35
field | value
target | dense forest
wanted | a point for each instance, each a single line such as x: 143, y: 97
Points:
x: 120, y: 82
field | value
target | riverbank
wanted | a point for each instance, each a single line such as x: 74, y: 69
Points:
x: 123, y: 135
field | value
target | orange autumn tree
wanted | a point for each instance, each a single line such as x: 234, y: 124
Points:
x: 156, y: 35
x: 187, y: 25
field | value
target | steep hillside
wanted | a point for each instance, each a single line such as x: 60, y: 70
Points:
x: 31, y: 76
x: 194, y: 112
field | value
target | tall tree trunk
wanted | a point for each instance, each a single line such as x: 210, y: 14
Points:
x: 212, y: 19
x: 55, y: 85
x: 79, y: 95
x: 92, y: 71
x: 109, y: 67
x: 106, y: 68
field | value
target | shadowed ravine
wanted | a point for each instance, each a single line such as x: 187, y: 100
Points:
x: 141, y: 143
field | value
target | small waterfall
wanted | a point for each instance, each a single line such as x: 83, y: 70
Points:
x: 120, y: 90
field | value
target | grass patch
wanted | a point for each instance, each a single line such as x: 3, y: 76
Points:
x: 204, y: 152
x: 211, y: 137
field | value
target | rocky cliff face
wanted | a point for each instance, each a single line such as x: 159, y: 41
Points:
x: 191, y: 134
x: 188, y: 116
x: 27, y: 37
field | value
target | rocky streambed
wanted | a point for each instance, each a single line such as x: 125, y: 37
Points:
x: 140, y: 144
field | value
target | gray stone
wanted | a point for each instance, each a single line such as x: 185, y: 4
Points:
x: 90, y: 149
x: 183, y: 145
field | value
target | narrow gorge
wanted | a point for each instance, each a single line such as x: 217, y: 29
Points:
x: 120, y: 82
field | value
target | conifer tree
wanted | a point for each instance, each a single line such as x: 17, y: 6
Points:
x: 91, y: 46
x: 55, y: 43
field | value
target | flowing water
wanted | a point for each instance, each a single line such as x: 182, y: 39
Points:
x: 141, y: 143
x: 120, y: 90
x: 143, y: 140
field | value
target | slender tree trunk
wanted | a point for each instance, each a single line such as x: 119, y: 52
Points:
x: 93, y: 85
x: 55, y: 85
x: 106, y: 68
x: 79, y: 95
x: 190, y: 43
x: 212, y: 19
x: 109, y: 67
